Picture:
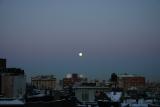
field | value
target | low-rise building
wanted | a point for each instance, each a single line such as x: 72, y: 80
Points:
x: 87, y: 93
x: 131, y: 81
x: 44, y: 82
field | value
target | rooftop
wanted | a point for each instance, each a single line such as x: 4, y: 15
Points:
x: 128, y: 75
x: 11, y: 102
x: 43, y: 77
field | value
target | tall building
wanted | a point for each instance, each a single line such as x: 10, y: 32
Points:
x: 2, y: 64
x: 2, y: 69
x: 13, y: 83
x: 44, y: 82
x: 131, y: 81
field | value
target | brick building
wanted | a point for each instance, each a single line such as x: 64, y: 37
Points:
x: 131, y: 81
x: 71, y: 79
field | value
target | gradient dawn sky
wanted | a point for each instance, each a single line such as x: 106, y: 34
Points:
x: 45, y: 37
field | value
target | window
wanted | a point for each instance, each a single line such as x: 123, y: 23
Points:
x: 85, y: 96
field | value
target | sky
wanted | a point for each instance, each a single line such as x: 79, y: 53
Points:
x: 45, y: 37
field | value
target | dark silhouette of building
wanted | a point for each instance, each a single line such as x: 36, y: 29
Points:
x: 2, y: 64
x: 2, y: 69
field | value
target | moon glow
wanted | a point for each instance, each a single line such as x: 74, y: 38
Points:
x: 80, y: 54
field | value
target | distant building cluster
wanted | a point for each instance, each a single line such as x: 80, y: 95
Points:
x: 13, y: 84
x: 73, y: 79
x: 85, y: 89
x: 12, y: 81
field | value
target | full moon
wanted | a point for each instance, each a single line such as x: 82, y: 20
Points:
x: 80, y: 54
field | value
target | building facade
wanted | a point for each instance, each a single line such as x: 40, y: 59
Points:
x: 87, y: 93
x: 47, y: 82
x: 72, y: 79
x: 131, y: 82
x: 13, y: 83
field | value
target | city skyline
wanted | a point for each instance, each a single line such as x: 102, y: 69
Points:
x: 45, y: 37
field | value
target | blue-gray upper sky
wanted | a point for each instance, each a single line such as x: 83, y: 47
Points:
x: 45, y: 36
